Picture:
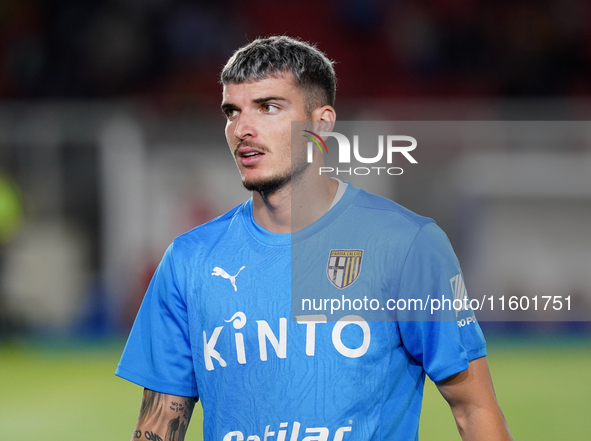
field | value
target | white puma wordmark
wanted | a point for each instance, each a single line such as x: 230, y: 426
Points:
x: 217, y: 271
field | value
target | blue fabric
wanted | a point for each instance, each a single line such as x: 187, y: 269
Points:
x: 218, y: 322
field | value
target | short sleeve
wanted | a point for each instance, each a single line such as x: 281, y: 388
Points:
x: 442, y: 340
x: 157, y: 355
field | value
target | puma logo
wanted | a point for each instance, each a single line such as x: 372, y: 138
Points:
x: 217, y: 271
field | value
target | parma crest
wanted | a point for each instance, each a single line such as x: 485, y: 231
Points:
x: 343, y: 267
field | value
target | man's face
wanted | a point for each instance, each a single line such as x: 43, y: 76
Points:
x: 258, y: 129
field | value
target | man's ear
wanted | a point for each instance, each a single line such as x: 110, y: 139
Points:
x: 324, y: 118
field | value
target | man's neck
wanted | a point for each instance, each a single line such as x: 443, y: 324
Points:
x: 295, y: 206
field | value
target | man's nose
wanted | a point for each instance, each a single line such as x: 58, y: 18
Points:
x: 245, y: 127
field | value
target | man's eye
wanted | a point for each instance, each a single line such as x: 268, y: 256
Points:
x: 269, y: 108
x: 230, y: 113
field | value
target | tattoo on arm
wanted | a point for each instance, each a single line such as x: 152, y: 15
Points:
x: 151, y: 406
x: 151, y: 436
x: 188, y: 410
x: 164, y: 412
x: 177, y: 428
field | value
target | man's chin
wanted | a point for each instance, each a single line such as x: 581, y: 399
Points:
x: 266, y: 185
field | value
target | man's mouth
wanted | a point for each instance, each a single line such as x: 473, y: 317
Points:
x: 249, y: 156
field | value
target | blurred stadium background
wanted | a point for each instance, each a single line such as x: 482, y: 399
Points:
x: 111, y: 144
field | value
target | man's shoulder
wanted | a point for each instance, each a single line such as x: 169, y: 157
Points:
x: 211, y: 231
x: 419, y: 232
x: 381, y: 208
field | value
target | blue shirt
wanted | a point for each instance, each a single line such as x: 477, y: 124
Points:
x: 230, y: 317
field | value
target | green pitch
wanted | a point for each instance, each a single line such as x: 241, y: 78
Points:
x: 67, y: 393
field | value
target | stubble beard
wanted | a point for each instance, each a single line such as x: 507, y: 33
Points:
x: 272, y: 184
x: 267, y: 185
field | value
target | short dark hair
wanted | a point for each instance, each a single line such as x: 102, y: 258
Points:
x: 312, y: 70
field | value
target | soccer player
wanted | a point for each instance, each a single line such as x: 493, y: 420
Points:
x: 215, y: 322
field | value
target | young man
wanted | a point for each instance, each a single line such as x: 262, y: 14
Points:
x: 215, y: 322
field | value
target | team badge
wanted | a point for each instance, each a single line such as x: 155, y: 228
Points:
x: 343, y: 267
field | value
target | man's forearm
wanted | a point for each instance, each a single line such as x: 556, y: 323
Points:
x: 482, y: 424
x: 163, y: 417
x: 473, y: 402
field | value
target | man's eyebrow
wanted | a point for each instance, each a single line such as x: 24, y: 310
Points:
x: 228, y: 106
x: 268, y: 98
